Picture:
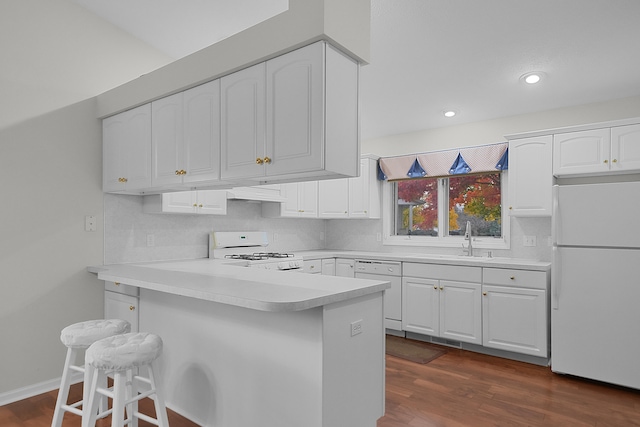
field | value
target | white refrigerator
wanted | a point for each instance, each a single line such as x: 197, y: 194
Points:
x: 595, y: 285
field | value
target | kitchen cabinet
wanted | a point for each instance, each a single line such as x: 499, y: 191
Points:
x: 312, y: 266
x: 442, y: 301
x: 203, y: 202
x: 329, y: 266
x: 597, y: 151
x: 345, y: 267
x: 530, y: 176
x: 301, y: 201
x: 357, y: 197
x: 293, y: 116
x: 121, y: 302
x: 186, y: 137
x: 515, y: 311
x: 126, y: 149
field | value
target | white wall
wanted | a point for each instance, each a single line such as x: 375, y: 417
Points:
x: 50, y: 178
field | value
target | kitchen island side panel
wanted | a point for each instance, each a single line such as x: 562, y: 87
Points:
x: 230, y: 366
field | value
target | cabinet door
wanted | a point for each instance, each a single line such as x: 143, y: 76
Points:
x: 515, y: 319
x: 359, y: 192
x: 179, y: 202
x: 345, y: 268
x: 577, y: 153
x: 308, y: 199
x: 333, y: 198
x: 421, y: 305
x: 202, y: 133
x: 212, y: 202
x: 166, y: 140
x: 289, y: 208
x: 119, y: 306
x: 461, y: 311
x: 329, y: 267
x: 127, y: 150
x: 625, y: 148
x: 530, y: 176
x: 294, y: 115
x: 243, y: 123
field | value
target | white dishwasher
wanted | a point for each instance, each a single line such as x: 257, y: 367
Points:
x: 389, y: 271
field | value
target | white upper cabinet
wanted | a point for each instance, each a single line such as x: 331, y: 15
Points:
x: 127, y: 151
x: 295, y: 116
x: 202, y: 202
x: 243, y: 123
x: 625, y: 148
x: 530, y: 176
x: 357, y: 197
x: 301, y: 200
x: 186, y: 137
x: 598, y: 151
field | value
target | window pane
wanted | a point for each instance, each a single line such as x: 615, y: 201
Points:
x: 417, y: 207
x: 475, y: 198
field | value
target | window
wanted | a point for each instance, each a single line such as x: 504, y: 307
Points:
x: 439, y: 208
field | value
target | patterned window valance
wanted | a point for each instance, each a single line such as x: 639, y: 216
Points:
x: 483, y: 158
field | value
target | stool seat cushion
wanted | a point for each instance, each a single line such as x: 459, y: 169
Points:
x: 83, y: 334
x: 122, y: 352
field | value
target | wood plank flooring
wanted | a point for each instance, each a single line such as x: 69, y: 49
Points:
x: 458, y: 389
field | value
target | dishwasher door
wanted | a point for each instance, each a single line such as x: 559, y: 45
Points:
x: 387, y: 271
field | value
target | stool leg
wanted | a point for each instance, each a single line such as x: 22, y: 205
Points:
x: 90, y: 406
x: 63, y: 392
x: 132, y: 391
x: 161, y: 409
x: 119, y: 397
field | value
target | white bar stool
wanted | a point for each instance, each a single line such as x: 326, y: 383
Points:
x: 76, y: 337
x: 120, y: 355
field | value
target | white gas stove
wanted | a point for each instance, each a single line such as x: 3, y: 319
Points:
x: 247, y: 246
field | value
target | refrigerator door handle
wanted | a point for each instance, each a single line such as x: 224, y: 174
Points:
x: 555, y: 279
x: 555, y: 218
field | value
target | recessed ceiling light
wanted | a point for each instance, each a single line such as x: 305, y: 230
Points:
x: 449, y: 113
x: 532, y: 77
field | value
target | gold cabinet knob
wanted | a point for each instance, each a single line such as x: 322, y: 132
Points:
x: 259, y: 161
x: 195, y: 205
x: 435, y: 287
x: 606, y: 161
x: 484, y: 293
x: 512, y: 277
x: 614, y: 161
x: 116, y: 283
x: 441, y: 287
x: 200, y: 205
x: 183, y: 172
x: 125, y: 180
x: 132, y: 307
x: 177, y: 172
x: 267, y: 160
x: 510, y: 207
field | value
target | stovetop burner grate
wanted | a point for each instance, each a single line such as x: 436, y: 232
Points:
x: 258, y: 256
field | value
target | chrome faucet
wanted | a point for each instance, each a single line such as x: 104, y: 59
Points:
x: 467, y: 236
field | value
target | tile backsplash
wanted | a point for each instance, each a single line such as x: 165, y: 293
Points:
x: 176, y: 236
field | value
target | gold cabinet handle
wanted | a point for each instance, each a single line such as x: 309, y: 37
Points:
x: 195, y: 205
x: 512, y: 277
x: 200, y: 205
x: 614, y: 161
x: 177, y: 172
x: 132, y: 307
x: 435, y: 287
x: 259, y: 161
x: 122, y: 179
x: 441, y: 287
x: 484, y: 293
x: 116, y: 283
x: 267, y: 160
x: 183, y: 172
x: 606, y: 161
x: 510, y: 207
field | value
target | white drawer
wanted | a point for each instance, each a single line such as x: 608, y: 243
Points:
x: 312, y: 266
x: 461, y: 273
x: 517, y: 278
x: 121, y: 288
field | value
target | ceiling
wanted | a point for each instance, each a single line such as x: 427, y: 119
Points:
x: 432, y: 55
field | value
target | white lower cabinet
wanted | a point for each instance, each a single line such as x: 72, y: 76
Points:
x: 329, y: 266
x: 313, y: 266
x: 515, y: 311
x: 345, y: 267
x: 121, y: 302
x: 433, y: 305
x: 203, y: 202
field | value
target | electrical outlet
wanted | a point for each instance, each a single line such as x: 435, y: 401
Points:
x: 529, y: 240
x: 90, y: 223
x: 151, y: 240
x: 356, y: 327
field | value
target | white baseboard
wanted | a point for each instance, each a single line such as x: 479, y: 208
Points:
x: 35, y: 389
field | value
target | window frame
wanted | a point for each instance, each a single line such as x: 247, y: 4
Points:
x: 443, y: 241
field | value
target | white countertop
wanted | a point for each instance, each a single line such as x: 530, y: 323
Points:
x: 258, y: 289
x: 477, y: 261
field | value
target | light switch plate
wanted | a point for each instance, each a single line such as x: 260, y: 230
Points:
x: 529, y: 241
x: 90, y: 223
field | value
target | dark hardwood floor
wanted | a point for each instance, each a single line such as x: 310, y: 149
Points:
x: 460, y: 388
